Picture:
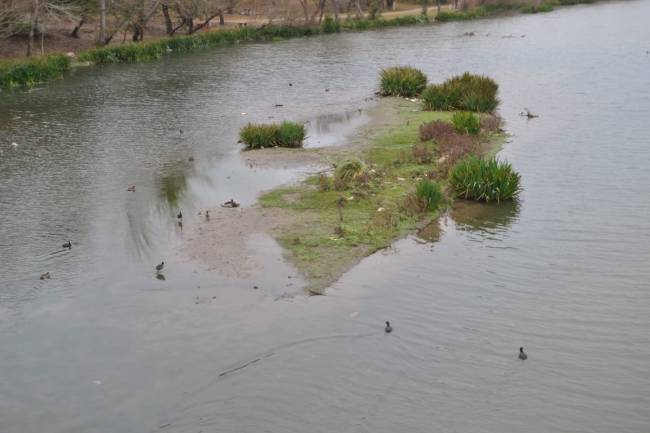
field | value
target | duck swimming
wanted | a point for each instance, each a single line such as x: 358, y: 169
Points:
x: 180, y: 215
x: 160, y: 266
x: 522, y: 355
x: 67, y: 245
x: 388, y: 329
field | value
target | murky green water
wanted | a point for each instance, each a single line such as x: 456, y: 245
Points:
x: 104, y: 346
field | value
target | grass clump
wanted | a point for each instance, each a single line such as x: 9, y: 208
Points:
x: 402, y: 81
x: 488, y: 180
x: 331, y: 26
x: 467, y: 92
x: 466, y: 123
x: 259, y: 136
x: 436, y: 130
x: 429, y: 194
x: 291, y: 134
x: 347, y: 172
x: 32, y: 71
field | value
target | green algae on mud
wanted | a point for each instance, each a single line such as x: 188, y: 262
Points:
x: 327, y: 231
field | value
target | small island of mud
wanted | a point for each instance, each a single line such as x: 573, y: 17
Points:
x: 395, y: 176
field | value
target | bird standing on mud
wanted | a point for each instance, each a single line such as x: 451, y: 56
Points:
x: 388, y: 329
x: 522, y: 355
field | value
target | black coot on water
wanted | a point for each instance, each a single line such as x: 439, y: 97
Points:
x: 522, y: 355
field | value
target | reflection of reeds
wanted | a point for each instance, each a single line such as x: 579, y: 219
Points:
x: 172, y: 187
x: 484, y: 216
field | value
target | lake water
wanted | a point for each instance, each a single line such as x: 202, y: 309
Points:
x: 103, y: 346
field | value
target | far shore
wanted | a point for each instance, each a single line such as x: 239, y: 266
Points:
x: 64, y: 52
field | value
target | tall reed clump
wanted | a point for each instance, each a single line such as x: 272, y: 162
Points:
x: 466, y: 123
x: 429, y: 194
x: 467, y: 92
x: 486, y: 180
x: 402, y: 81
x: 32, y: 71
x: 286, y: 134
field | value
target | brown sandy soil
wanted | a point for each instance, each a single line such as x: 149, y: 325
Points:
x: 221, y: 243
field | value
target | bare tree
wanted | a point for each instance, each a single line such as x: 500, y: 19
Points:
x: 48, y: 10
x: 101, y: 36
x: 169, y: 26
x: 9, y: 19
x: 204, y: 10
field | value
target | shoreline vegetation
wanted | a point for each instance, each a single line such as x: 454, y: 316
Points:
x: 395, y: 177
x: 36, y: 70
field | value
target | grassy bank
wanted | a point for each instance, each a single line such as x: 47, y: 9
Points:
x: 389, y: 182
x: 490, y: 10
x: 41, y: 69
x: 32, y: 71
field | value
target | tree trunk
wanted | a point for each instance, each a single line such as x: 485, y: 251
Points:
x: 222, y: 20
x: 208, y: 19
x: 359, y: 12
x: 321, y: 7
x: 75, y: 32
x: 169, y: 27
x: 335, y: 4
x: 305, y: 9
x: 32, y: 27
x: 438, y: 5
x: 101, y: 37
x: 174, y: 30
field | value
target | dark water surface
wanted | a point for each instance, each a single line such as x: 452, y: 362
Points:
x: 103, y: 346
